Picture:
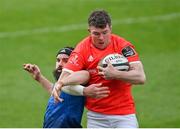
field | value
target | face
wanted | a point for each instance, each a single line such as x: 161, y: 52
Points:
x: 100, y: 37
x: 61, y: 60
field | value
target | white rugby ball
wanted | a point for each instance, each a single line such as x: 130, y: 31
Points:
x: 117, y: 60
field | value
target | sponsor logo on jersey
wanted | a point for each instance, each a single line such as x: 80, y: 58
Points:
x: 91, y: 58
x: 128, y: 51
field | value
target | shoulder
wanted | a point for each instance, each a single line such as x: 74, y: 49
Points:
x: 120, y: 41
x: 124, y: 47
x: 83, y: 44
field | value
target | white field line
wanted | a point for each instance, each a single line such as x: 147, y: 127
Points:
x: 72, y: 27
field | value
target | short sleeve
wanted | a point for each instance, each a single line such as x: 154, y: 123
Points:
x: 76, y: 60
x: 129, y: 52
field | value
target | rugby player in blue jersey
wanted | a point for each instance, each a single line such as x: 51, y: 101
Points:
x: 66, y: 114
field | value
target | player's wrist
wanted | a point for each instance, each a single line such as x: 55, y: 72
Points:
x: 38, y: 77
x: 59, y: 85
x: 61, y: 82
x: 84, y: 91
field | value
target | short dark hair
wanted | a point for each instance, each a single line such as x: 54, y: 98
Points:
x: 65, y: 50
x: 99, y: 19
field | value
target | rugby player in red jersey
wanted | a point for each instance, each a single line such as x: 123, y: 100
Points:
x: 118, y: 109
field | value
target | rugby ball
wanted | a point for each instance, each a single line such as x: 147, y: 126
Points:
x: 117, y: 60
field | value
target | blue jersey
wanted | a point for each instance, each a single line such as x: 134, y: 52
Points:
x: 66, y: 114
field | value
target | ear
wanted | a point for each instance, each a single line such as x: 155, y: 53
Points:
x: 111, y: 28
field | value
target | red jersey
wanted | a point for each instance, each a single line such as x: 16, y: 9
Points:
x: 86, y: 57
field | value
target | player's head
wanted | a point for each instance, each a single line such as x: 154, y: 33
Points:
x: 61, y: 59
x: 99, y: 23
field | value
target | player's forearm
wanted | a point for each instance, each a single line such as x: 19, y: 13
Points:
x: 76, y: 90
x: 46, y: 84
x: 71, y: 79
x: 63, y: 76
x: 93, y: 90
x: 135, y: 75
x: 76, y: 78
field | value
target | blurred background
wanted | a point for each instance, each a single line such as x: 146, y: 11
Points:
x: 33, y: 31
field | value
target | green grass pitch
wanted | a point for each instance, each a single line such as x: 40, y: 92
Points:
x: 33, y: 31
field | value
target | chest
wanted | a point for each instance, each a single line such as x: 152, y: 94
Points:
x: 94, y: 56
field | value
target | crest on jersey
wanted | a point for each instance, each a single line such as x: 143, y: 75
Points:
x: 74, y: 60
